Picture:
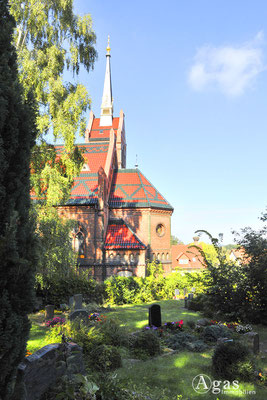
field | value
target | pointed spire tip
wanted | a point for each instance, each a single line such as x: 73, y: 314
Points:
x: 108, y: 47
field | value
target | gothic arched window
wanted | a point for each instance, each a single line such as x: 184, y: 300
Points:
x: 79, y: 241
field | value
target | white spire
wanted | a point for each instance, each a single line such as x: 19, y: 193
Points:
x: 107, y: 101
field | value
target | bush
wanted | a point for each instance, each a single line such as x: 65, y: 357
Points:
x: 147, y: 343
x: 182, y: 341
x: 57, y: 289
x: 213, y: 332
x: 232, y: 360
x: 105, y: 358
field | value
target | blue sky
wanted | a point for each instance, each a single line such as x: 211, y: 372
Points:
x: 191, y: 79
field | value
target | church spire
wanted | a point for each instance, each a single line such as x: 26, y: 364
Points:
x: 107, y: 101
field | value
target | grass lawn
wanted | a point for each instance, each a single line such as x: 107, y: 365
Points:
x: 173, y: 372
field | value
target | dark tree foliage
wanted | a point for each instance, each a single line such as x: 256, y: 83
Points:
x: 17, y: 134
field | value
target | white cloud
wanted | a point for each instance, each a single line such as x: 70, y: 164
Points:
x: 228, y: 68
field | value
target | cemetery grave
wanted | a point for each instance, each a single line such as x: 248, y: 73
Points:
x: 165, y: 320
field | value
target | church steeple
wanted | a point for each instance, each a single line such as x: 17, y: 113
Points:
x: 107, y: 101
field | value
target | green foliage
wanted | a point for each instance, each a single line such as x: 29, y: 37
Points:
x: 17, y: 242
x: 105, y: 358
x: 146, y: 343
x: 56, y: 257
x: 232, y: 360
x: 239, y: 292
x: 56, y: 289
x: 175, y: 240
x: 181, y: 341
x: 213, y: 332
x: 51, y: 40
x: 122, y: 290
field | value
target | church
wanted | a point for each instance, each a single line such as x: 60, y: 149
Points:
x: 123, y: 220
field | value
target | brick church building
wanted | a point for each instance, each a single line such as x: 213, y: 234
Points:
x: 123, y: 219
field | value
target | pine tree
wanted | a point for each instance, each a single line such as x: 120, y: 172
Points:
x: 17, y: 135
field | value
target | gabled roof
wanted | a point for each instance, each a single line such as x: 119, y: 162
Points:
x: 120, y: 236
x: 98, y: 132
x: 182, y: 251
x: 85, y: 186
x: 131, y: 189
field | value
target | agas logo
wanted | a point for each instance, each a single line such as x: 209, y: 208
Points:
x: 201, y: 383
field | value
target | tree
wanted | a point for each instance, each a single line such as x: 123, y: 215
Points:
x: 51, y: 41
x: 254, y: 244
x: 175, y: 240
x: 17, y: 135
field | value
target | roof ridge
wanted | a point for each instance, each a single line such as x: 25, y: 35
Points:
x: 138, y: 172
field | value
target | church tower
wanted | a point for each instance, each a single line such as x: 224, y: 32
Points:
x: 107, y: 101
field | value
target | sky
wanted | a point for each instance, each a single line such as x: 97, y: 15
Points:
x: 191, y: 78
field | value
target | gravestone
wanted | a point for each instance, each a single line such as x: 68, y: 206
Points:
x: 193, y: 289
x: 176, y: 292
x: 185, y: 302
x: 190, y: 296
x: 78, y: 301
x: 71, y: 301
x: 49, y: 312
x: 185, y: 291
x: 38, y: 372
x: 80, y: 314
x: 154, y: 315
x: 253, y: 340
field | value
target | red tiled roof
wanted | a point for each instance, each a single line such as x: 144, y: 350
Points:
x: 105, y: 130
x: 192, y: 254
x: 131, y: 189
x: 120, y: 236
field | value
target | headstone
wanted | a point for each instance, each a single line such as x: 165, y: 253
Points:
x: 193, y: 289
x: 71, y: 301
x: 38, y: 372
x: 78, y: 301
x: 253, y: 341
x: 203, y: 322
x: 185, y: 291
x: 49, y: 312
x: 63, y: 307
x: 176, y: 292
x: 154, y: 315
x: 190, y: 296
x: 185, y: 302
x: 80, y: 314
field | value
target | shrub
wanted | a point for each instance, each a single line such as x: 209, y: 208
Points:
x: 57, y: 289
x: 105, y: 358
x: 232, y: 360
x: 147, y: 343
x: 213, y: 332
x: 181, y: 341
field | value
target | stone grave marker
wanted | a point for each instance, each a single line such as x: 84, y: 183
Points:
x: 154, y: 315
x: 185, y: 302
x: 176, y: 293
x: 71, y: 301
x: 80, y: 314
x: 193, y: 289
x: 78, y: 301
x: 253, y: 341
x: 49, y: 312
x: 185, y: 291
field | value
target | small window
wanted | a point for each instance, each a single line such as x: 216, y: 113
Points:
x: 158, y: 256
x: 118, y: 256
x: 194, y: 260
x: 111, y: 256
x: 160, y: 230
x: 163, y: 256
x: 183, y: 261
x: 101, y: 131
x: 131, y: 257
x: 167, y: 256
